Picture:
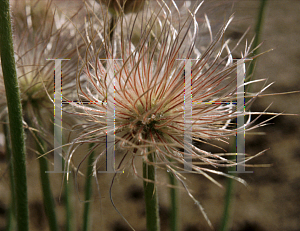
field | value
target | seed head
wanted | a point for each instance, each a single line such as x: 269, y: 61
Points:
x: 41, y: 34
x: 138, y: 91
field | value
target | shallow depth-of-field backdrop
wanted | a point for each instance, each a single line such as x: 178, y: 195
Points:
x: 270, y: 202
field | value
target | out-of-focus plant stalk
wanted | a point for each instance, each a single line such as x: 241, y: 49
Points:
x: 226, y: 219
x: 15, y: 116
x: 258, y: 30
x: 67, y: 195
x: 225, y: 225
x: 68, y: 204
x: 88, y: 192
x: 46, y: 187
x: 174, y: 220
x: 151, y: 196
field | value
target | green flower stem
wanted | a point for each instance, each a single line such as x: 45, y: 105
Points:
x: 88, y: 192
x: 67, y: 195
x: 258, y: 30
x: 11, y: 211
x: 225, y: 225
x: 68, y: 204
x: 49, y: 203
x: 174, y: 221
x: 15, y: 117
x: 151, y: 197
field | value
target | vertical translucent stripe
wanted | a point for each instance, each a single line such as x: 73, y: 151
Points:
x: 110, y: 117
x: 57, y: 118
x: 58, y: 162
x: 187, y: 115
x: 240, y: 137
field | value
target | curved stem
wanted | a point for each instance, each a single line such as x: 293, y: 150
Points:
x: 15, y: 116
x: 151, y: 197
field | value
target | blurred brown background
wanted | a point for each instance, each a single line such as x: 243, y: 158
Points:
x: 270, y: 202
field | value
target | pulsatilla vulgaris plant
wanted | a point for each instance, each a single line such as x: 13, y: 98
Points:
x: 139, y: 88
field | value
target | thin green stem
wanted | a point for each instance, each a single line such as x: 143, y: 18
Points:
x: 49, y: 203
x: 174, y: 221
x: 225, y: 225
x: 258, y: 31
x: 150, y: 193
x: 67, y: 195
x: 68, y: 204
x: 88, y: 192
x: 15, y: 116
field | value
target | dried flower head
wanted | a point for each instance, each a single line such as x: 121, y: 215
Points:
x: 40, y: 33
x: 138, y: 91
